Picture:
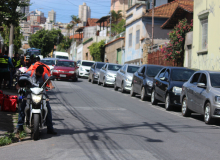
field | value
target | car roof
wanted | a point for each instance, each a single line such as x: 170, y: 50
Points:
x: 152, y: 65
x: 132, y: 65
x: 114, y: 64
x: 50, y: 59
x: 100, y: 62
x: 209, y: 71
x: 171, y: 67
x: 87, y: 61
x: 66, y: 60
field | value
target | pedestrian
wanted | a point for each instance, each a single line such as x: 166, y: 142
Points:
x: 116, y: 62
x: 106, y: 60
x: 5, y: 65
x: 17, y: 64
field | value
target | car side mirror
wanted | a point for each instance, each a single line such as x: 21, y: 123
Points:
x: 163, y: 79
x: 201, y: 85
x: 140, y: 74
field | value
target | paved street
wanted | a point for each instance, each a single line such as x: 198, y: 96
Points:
x: 94, y: 123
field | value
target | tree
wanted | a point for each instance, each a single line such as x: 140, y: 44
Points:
x: 45, y: 40
x: 116, y: 16
x: 64, y: 44
x: 119, y: 27
x: 97, y: 50
x: 174, y: 50
x: 18, y: 36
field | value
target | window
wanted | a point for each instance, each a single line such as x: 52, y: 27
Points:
x: 195, y: 78
x: 167, y: 74
x: 89, y: 64
x: 132, y: 69
x: 114, y: 67
x: 204, y: 23
x: 137, y: 36
x: 124, y: 69
x: 214, y: 78
x: 130, y: 40
x: 161, y: 75
x: 153, y: 70
x: 203, y: 79
x: 181, y: 74
x: 143, y: 70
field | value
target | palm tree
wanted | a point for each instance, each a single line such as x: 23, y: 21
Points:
x: 116, y: 16
x: 75, y: 21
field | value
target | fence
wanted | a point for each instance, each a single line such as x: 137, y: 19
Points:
x: 158, y: 59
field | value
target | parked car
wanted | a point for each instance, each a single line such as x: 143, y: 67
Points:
x: 65, y: 70
x: 201, y: 94
x: 51, y: 62
x: 167, y: 85
x: 124, y: 77
x: 108, y: 73
x: 94, y: 71
x: 143, y: 80
x: 84, y: 67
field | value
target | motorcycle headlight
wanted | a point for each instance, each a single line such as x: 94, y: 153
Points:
x: 217, y: 99
x: 36, y: 98
x: 177, y: 90
x: 72, y: 72
x: 55, y: 71
x: 150, y: 83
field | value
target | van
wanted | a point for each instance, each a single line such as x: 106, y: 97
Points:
x: 60, y: 55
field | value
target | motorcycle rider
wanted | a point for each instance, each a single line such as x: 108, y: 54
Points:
x: 37, y: 79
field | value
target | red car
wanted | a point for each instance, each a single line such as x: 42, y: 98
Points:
x: 65, y: 70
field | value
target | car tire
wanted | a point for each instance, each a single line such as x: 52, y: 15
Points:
x: 98, y: 81
x: 167, y: 102
x: 104, y: 84
x: 153, y: 99
x: 207, y: 114
x: 122, y: 87
x: 115, y: 86
x: 143, y: 97
x: 132, y: 94
x: 185, y: 110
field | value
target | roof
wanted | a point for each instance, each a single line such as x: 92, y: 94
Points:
x: 114, y: 40
x: 91, y: 21
x: 179, y: 13
x: 166, y: 10
x: 77, y: 36
x: 80, y: 29
x: 103, y: 19
x: 175, y: 67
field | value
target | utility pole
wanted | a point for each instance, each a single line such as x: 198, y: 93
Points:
x: 110, y: 24
x: 152, y: 24
x: 11, y: 38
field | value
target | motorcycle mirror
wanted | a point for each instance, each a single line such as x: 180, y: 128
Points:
x: 52, y: 77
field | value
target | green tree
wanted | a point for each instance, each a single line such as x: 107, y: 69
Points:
x: 64, y: 44
x: 18, y: 36
x: 45, y: 40
x: 119, y: 27
x: 97, y: 50
x: 116, y: 16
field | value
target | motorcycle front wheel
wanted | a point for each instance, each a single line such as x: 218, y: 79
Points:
x: 36, y: 120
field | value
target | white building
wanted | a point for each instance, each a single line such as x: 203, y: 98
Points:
x: 84, y: 14
x: 52, y: 16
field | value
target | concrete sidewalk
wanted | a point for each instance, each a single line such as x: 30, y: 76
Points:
x: 6, y: 118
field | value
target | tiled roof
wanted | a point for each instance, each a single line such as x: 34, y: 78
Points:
x: 77, y: 36
x: 166, y: 10
x: 91, y: 22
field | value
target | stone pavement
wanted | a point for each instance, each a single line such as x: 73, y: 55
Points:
x: 6, y: 118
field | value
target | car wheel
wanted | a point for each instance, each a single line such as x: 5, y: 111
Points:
x: 167, y: 102
x: 89, y: 79
x: 132, y: 91
x: 115, y: 86
x: 185, y: 111
x: 122, y: 88
x: 104, y: 84
x: 98, y: 81
x: 207, y: 115
x: 143, y: 97
x: 153, y: 99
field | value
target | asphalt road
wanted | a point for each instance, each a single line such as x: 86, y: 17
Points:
x: 95, y: 123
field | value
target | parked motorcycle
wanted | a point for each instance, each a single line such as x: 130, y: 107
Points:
x: 35, y: 110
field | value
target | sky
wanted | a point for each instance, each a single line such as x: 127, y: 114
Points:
x: 65, y: 8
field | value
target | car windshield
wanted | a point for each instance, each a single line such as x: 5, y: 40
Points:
x: 132, y: 69
x: 181, y: 74
x: 48, y: 62
x: 214, y: 78
x: 153, y: 70
x: 65, y: 64
x: 87, y: 64
x: 114, y: 67
x: 62, y: 57
x: 100, y: 65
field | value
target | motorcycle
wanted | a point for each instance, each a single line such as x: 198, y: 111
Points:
x: 36, y: 109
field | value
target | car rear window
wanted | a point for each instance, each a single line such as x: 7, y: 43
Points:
x: 100, y: 65
x: 114, y: 67
x: 214, y: 78
x: 181, y: 74
x: 132, y: 69
x: 65, y: 64
x: 153, y: 70
x: 48, y: 62
x: 87, y: 64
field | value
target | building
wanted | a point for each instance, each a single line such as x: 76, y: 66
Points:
x: 52, y: 16
x: 25, y: 10
x: 117, y: 5
x: 34, y: 29
x: 36, y: 17
x: 84, y: 14
x: 206, y: 35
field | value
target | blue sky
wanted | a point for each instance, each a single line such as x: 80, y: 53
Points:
x: 65, y: 8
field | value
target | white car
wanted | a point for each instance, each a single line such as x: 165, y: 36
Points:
x: 84, y: 68
x: 51, y: 62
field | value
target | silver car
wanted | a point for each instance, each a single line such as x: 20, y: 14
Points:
x: 124, y: 77
x: 51, y: 62
x: 107, y: 74
x: 94, y: 71
x: 201, y: 94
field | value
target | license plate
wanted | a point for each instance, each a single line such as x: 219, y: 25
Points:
x: 62, y: 75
